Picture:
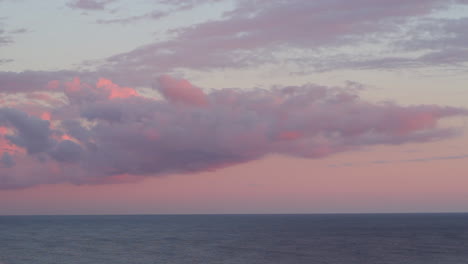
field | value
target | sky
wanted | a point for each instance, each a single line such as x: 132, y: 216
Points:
x: 233, y: 106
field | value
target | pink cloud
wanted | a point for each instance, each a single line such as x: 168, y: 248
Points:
x: 181, y: 91
x: 81, y: 92
x: 290, y: 135
x: 114, y: 90
x: 105, y: 130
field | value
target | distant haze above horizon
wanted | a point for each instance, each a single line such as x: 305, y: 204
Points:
x: 233, y: 106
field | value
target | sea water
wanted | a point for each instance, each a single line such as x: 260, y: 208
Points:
x: 260, y: 239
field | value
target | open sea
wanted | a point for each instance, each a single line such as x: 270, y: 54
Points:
x: 259, y: 239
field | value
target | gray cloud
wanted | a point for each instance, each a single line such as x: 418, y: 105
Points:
x: 32, y: 133
x: 28, y: 81
x: 67, y: 151
x: 7, y: 160
x: 5, y: 61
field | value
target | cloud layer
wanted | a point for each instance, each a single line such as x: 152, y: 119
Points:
x: 318, y: 35
x: 78, y: 132
x: 255, y: 33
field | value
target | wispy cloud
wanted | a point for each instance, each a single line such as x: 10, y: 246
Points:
x: 7, y: 35
x: 252, y: 34
x: 426, y: 159
x: 5, y: 38
x: 154, y: 15
x: 317, y: 37
x: 4, y: 61
x: 89, y: 5
x: 382, y: 162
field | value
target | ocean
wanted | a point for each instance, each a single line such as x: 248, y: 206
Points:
x: 240, y: 239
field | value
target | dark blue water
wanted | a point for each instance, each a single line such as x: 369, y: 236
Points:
x: 260, y: 239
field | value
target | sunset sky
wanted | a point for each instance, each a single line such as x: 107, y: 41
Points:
x: 233, y: 106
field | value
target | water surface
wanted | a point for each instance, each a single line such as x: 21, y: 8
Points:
x: 260, y: 239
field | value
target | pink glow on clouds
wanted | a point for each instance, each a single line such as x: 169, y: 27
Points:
x: 6, y: 146
x: 181, y: 91
x: 423, y: 120
x: 46, y: 116
x: 290, y: 135
x: 129, y: 136
x: 53, y: 85
x: 273, y: 185
x: 73, y: 86
x: 115, y: 91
